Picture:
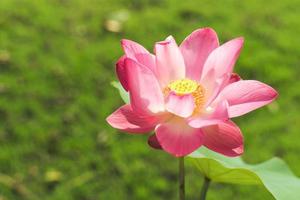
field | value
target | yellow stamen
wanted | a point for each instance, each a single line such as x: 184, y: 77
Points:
x: 183, y: 86
x: 187, y: 86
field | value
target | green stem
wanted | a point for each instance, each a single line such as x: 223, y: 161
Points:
x: 181, y: 179
x: 204, y: 188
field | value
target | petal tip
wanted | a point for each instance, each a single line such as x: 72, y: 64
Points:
x: 240, y: 40
x: 107, y: 119
x: 237, y: 42
x: 170, y: 38
x: 205, y: 32
x: 110, y: 120
x: 239, y: 150
x: 124, y: 41
x: 167, y: 41
x: 208, y: 30
x: 273, y: 94
x: 163, y: 43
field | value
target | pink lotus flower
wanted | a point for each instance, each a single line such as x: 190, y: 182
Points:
x: 187, y: 94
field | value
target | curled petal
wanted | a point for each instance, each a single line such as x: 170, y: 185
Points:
x: 225, y: 138
x: 121, y: 72
x: 153, y: 142
x: 195, y: 50
x: 234, y: 78
x: 146, y: 60
x: 136, y: 52
x: 169, y: 61
x: 126, y: 119
x: 182, y: 105
x: 246, y: 95
x: 177, y: 138
x: 145, y: 92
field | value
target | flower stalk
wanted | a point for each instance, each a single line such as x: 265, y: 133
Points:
x: 181, y: 179
x: 204, y: 188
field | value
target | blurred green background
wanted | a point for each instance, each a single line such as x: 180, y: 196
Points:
x: 57, y: 61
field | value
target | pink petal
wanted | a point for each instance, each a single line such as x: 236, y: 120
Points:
x: 153, y: 142
x: 132, y: 48
x: 225, y: 138
x: 209, y: 81
x: 214, y: 86
x: 138, y: 53
x: 147, y: 60
x: 182, y: 105
x: 217, y: 115
x: 169, y: 61
x: 126, y: 119
x: 234, y: 78
x: 121, y: 72
x: 223, y: 58
x: 145, y: 92
x: 177, y: 138
x: 246, y: 95
x: 195, y: 50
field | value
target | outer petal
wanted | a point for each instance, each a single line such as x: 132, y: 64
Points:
x: 145, y: 93
x: 138, y: 53
x: 132, y: 48
x: 182, y: 106
x: 211, y: 117
x: 177, y: 138
x: 169, y: 61
x: 144, y: 59
x: 234, y: 78
x: 126, y: 119
x: 225, y: 138
x: 121, y: 72
x: 153, y: 142
x: 195, y: 50
x: 246, y: 95
x: 223, y: 58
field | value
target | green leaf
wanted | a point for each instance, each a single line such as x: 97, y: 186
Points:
x: 124, y: 95
x: 273, y: 174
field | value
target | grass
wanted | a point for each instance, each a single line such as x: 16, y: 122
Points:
x: 56, y: 64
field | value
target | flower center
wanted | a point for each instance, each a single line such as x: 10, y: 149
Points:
x: 183, y: 86
x: 186, y: 86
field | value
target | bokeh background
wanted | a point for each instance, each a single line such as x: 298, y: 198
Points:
x: 57, y: 62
